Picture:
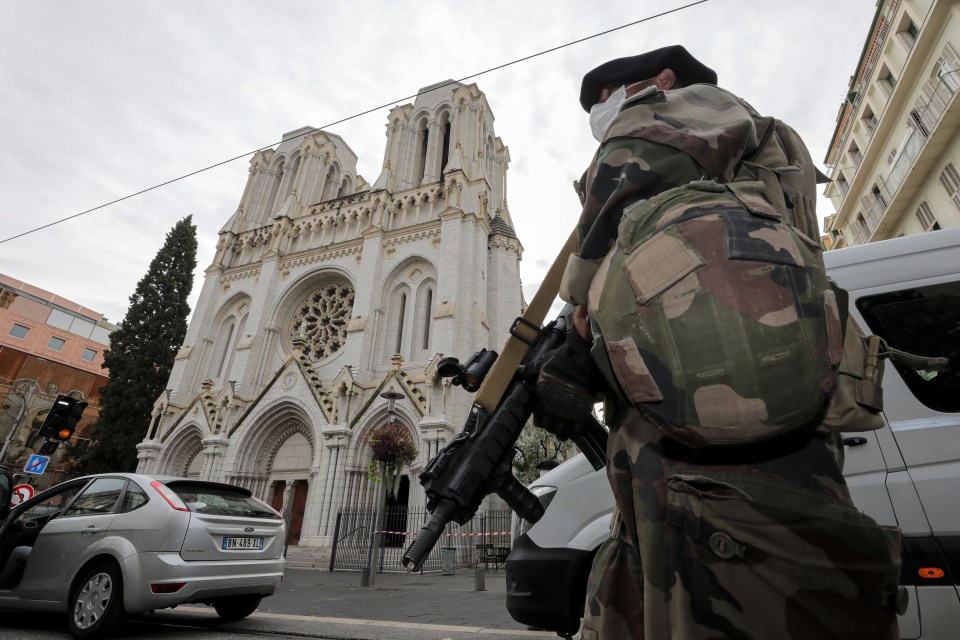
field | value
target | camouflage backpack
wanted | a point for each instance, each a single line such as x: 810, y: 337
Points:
x: 715, y: 316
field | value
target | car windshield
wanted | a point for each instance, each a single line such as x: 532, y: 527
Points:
x: 220, y: 500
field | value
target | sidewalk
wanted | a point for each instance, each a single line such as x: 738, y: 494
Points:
x: 429, y: 598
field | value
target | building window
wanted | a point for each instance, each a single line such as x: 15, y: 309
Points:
x: 424, y: 136
x: 56, y: 343
x: 321, y: 320
x: 446, y: 146
x: 855, y: 155
x: 869, y: 120
x: 947, y: 69
x: 918, y: 122
x: 19, y: 331
x: 908, y: 31
x: 403, y: 313
x: 950, y: 179
x: 226, y: 349
x: 926, y: 218
x: 879, y: 195
x: 887, y: 80
x: 427, y: 312
x: 842, y: 185
x: 88, y: 354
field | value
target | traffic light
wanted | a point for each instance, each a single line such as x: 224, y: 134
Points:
x: 61, y: 420
x: 48, y: 448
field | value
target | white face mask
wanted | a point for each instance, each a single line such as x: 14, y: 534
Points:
x: 603, y: 113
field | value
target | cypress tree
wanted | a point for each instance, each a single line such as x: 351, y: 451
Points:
x: 141, y: 354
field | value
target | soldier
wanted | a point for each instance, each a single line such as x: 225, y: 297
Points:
x: 754, y: 541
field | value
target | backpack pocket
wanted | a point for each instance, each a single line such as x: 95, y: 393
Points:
x: 724, y: 314
x: 857, y: 402
x: 781, y: 561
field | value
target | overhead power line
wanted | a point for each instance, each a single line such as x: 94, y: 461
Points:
x: 357, y: 115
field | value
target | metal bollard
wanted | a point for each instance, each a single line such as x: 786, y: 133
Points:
x: 478, y: 580
x: 365, y: 577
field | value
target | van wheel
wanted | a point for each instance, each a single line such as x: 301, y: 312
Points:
x: 236, y: 607
x: 96, y: 604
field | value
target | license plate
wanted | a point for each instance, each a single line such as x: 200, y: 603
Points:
x: 243, y: 543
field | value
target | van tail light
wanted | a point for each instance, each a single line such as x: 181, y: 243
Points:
x: 167, y: 587
x: 931, y: 573
x: 172, y: 499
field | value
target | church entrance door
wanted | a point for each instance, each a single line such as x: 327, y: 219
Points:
x: 299, y: 503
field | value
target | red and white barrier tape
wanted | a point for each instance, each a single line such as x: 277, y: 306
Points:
x: 448, y: 535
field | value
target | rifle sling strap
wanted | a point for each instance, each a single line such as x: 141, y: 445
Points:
x: 503, y: 370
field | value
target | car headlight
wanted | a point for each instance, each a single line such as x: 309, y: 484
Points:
x: 545, y: 493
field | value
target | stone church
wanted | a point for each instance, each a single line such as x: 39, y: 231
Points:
x: 327, y: 292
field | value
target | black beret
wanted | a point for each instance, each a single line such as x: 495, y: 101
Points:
x: 688, y: 69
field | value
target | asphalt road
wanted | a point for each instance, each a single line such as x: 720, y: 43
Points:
x: 321, y: 604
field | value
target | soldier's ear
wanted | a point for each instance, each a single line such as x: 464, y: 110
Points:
x: 666, y: 79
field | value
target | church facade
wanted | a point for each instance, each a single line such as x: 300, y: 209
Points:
x: 327, y: 292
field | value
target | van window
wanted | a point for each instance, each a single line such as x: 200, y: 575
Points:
x: 924, y: 321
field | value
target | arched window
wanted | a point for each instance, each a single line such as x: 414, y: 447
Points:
x: 330, y: 185
x: 403, y: 313
x: 422, y: 318
x: 232, y: 350
x: 290, y: 179
x: 226, y: 337
x: 396, y: 320
x: 427, y: 312
x: 424, y: 135
x: 445, y: 149
x: 320, y: 320
x: 272, y: 198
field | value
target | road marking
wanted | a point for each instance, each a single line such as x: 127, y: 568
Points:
x: 386, y: 623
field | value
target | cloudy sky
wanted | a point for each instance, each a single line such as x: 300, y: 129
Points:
x: 103, y: 98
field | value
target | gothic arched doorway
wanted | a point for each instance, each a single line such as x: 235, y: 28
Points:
x: 395, y: 515
x: 291, y: 468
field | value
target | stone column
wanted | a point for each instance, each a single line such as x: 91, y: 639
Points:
x: 213, y: 449
x: 147, y: 453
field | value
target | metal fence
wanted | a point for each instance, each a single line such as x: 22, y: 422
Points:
x: 483, y: 541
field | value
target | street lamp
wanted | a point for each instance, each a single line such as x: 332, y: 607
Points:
x: 375, y: 539
x: 392, y: 397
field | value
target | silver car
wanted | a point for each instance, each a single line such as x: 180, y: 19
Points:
x: 103, y: 546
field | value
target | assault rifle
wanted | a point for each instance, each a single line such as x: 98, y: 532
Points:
x: 478, y: 461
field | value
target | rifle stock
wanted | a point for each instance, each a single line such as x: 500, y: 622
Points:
x: 478, y: 461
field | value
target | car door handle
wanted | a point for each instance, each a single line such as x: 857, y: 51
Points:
x: 855, y: 441
x: 90, y: 530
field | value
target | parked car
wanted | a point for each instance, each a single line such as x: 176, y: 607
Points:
x: 103, y: 546
x: 906, y: 290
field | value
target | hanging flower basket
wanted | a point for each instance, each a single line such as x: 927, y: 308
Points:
x: 391, y: 444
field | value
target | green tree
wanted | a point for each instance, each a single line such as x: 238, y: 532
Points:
x: 536, y: 446
x: 141, y: 354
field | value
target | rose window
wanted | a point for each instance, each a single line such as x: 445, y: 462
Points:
x: 320, y: 321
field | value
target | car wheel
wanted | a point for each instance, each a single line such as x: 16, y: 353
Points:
x: 96, y: 604
x: 236, y: 607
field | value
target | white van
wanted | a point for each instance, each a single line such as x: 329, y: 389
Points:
x: 906, y: 290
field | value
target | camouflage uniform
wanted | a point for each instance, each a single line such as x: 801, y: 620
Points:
x: 758, y: 541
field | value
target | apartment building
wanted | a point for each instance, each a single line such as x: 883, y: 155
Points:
x: 895, y: 154
x: 49, y: 346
